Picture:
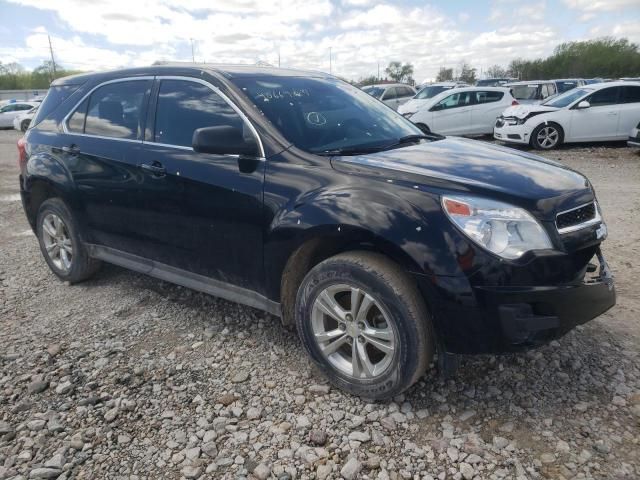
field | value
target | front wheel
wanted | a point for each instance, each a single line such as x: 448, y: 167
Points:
x: 547, y: 136
x: 364, y: 323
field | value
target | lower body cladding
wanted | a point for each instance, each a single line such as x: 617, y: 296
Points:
x: 476, y: 319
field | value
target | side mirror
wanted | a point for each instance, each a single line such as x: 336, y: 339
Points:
x: 224, y: 140
x: 583, y: 104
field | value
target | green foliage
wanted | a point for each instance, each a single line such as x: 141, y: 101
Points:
x: 399, y: 72
x: 444, y: 75
x: 370, y: 80
x: 13, y: 76
x: 604, y: 57
x: 467, y: 74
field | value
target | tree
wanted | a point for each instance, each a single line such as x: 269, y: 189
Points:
x: 370, y: 80
x: 444, y: 74
x: 496, y: 71
x: 399, y: 72
x: 467, y: 73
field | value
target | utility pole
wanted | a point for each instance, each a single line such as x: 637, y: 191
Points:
x: 53, y: 62
x: 329, y: 60
x: 193, y: 57
x: 378, y: 77
x: 278, y: 57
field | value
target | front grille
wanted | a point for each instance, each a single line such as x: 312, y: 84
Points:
x: 576, y: 216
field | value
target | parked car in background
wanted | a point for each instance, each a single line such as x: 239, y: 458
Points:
x: 630, y: 79
x: 463, y: 111
x: 494, y: 82
x: 22, y: 121
x: 591, y: 81
x: 634, y: 137
x: 11, y: 110
x: 535, y: 91
x: 566, y: 84
x: 592, y: 113
x: 300, y: 195
x: 391, y: 94
x: 426, y: 93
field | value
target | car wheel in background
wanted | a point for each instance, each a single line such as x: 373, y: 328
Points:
x: 60, y: 243
x: 547, y: 136
x: 364, y: 323
x: 25, y: 125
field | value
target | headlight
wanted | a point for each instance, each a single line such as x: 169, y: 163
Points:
x: 514, y: 121
x: 501, y: 228
x: 408, y: 114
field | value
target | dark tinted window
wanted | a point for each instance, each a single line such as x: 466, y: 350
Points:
x: 406, y: 92
x: 630, y: 95
x: 55, y: 97
x: 75, y: 123
x: 606, y: 96
x: 488, y: 97
x: 185, y: 106
x: 432, y: 91
x: 115, y: 110
x: 390, y: 93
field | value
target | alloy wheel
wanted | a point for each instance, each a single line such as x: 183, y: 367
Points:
x: 548, y: 137
x: 353, y: 331
x: 57, y: 242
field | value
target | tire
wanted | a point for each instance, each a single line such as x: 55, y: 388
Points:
x: 553, y: 138
x: 398, y: 313
x: 60, y: 243
x: 25, y: 125
x: 423, y: 127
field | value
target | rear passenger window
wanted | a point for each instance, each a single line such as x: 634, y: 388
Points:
x: 75, y: 123
x: 488, y: 97
x: 630, y: 95
x: 606, y: 96
x: 185, y: 106
x: 115, y: 110
x: 390, y: 94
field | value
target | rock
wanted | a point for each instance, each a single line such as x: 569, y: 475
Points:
x: 317, y: 437
x: 323, y: 471
x: 254, y: 413
x: 209, y: 449
x: 240, y: 377
x: 191, y: 471
x: 467, y: 471
x: 111, y: 415
x: 473, y: 459
x: 123, y: 439
x: 351, y: 469
x: 45, y: 472
x: 360, y: 436
x: 602, y: 446
x: 38, y: 386
x: 262, y: 471
x: 57, y: 461
x: 453, y: 454
x: 55, y: 425
x: 500, y: 442
x: 467, y: 415
x: 388, y: 423
x: 303, y: 422
x: 319, y: 389
x: 64, y: 387
x: 547, y: 458
x: 562, y: 447
x: 77, y: 442
x: 5, y: 428
x: 227, y: 399
x: 584, y: 456
x: 36, y: 425
x: 193, y: 453
x: 54, y: 349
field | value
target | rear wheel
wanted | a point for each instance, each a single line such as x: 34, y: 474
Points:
x: 363, y: 322
x: 547, y: 136
x: 60, y: 243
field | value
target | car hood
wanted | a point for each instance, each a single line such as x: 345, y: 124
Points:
x: 523, y: 111
x: 413, y: 105
x: 480, y: 168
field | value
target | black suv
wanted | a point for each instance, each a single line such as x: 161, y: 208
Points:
x: 298, y: 194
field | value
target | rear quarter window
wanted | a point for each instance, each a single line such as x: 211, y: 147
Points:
x: 55, y: 97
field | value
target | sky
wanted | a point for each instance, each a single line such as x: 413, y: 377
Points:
x: 357, y: 35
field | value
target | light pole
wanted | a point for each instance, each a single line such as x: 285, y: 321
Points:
x: 193, y: 57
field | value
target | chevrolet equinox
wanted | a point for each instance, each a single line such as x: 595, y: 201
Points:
x: 295, y: 193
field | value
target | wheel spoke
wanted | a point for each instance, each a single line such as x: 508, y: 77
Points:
x: 328, y: 305
x: 67, y: 245
x: 356, y: 297
x: 360, y: 360
x: 64, y: 256
x: 334, y: 346
x: 57, y: 223
x: 51, y: 247
x: 364, y: 308
x: 380, y: 345
x: 379, y: 333
x: 329, y: 335
x: 48, y: 227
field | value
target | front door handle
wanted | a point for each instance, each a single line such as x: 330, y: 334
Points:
x: 156, y: 168
x: 73, y: 149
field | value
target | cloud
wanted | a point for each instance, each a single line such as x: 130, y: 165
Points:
x: 601, y: 5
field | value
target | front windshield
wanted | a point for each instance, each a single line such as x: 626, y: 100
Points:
x: 431, y: 91
x: 524, y: 92
x: 565, y: 86
x: 375, y: 92
x: 322, y: 115
x: 567, y: 98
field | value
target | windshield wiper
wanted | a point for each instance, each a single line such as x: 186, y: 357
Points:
x: 357, y: 150
x: 407, y: 139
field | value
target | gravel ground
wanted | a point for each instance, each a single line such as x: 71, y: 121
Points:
x: 129, y: 377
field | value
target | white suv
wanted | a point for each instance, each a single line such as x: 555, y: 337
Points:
x: 592, y: 113
x: 463, y: 111
x: 391, y: 94
x: 427, y: 92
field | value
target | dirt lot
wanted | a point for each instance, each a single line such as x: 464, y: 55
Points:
x: 125, y: 376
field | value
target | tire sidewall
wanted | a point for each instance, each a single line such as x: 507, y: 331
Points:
x: 58, y: 208
x: 400, y: 373
x: 534, y: 136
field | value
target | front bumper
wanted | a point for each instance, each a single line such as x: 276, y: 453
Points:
x: 634, y: 138
x: 512, y: 133
x: 499, y: 319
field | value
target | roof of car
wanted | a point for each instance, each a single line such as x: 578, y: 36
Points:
x: 529, y: 82
x: 229, y: 71
x: 618, y: 83
x: 386, y: 85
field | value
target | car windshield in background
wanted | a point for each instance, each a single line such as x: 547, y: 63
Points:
x: 322, y: 115
x: 428, y: 92
x: 524, y: 92
x: 566, y: 86
x: 375, y: 92
x: 567, y: 98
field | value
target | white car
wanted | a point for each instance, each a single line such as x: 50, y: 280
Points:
x: 22, y: 121
x: 11, y: 110
x: 463, y: 111
x: 533, y: 91
x: 426, y: 93
x: 592, y: 113
x: 391, y: 94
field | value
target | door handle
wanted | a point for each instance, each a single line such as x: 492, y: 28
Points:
x: 74, y: 149
x: 155, y: 168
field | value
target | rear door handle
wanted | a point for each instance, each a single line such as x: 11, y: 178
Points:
x: 155, y: 168
x: 74, y: 149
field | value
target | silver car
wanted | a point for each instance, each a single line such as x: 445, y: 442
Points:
x: 391, y: 94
